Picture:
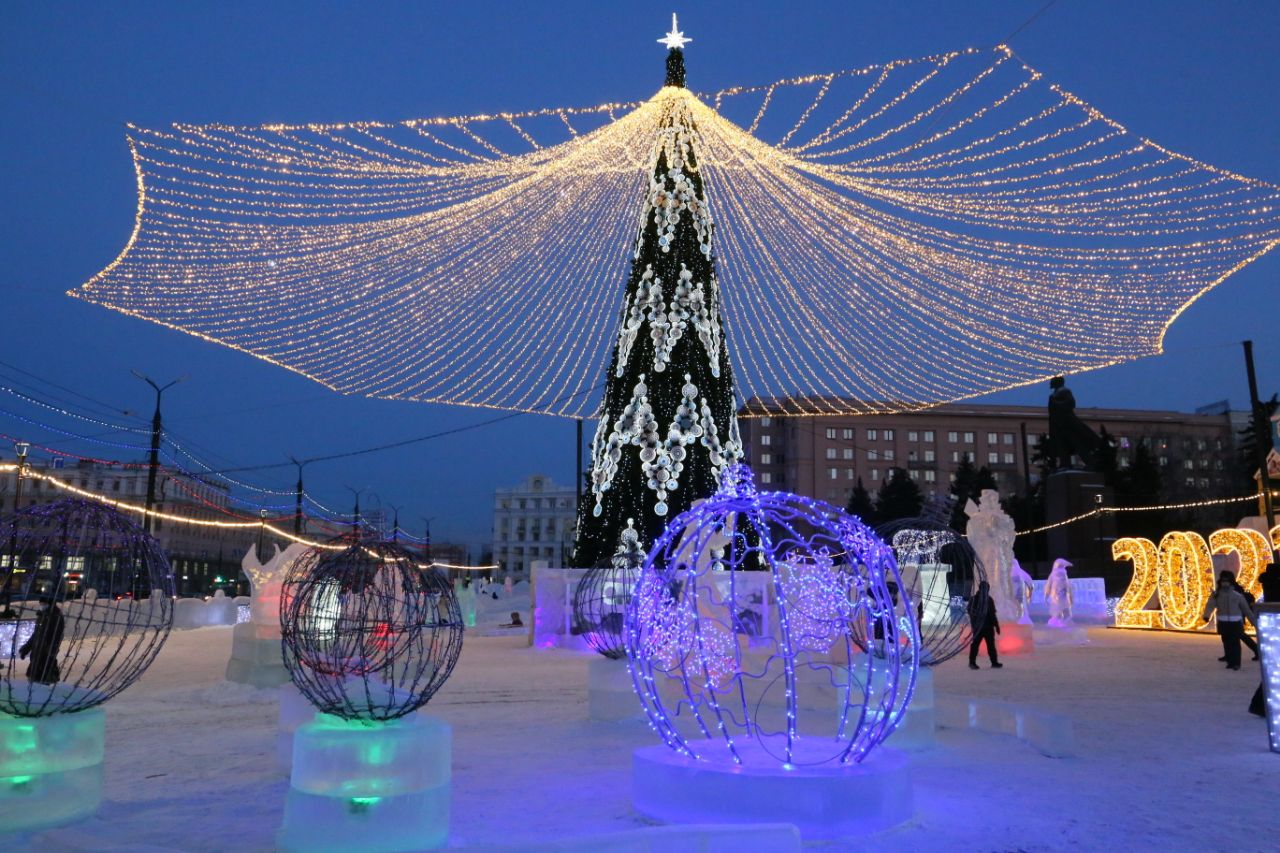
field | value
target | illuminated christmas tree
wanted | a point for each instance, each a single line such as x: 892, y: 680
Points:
x: 667, y: 423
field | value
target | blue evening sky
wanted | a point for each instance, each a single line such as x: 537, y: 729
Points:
x: 1198, y: 77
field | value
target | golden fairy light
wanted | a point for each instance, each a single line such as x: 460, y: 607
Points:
x: 888, y: 238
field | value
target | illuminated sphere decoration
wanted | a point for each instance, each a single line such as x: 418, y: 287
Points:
x: 84, y: 609
x: 940, y: 572
x: 600, y: 600
x: 368, y: 634
x: 743, y: 632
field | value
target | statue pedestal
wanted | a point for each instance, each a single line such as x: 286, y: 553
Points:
x: 1086, y: 543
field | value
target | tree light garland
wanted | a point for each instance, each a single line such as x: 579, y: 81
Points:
x: 937, y: 228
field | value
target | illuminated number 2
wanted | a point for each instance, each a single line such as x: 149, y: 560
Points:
x: 1252, y: 549
x: 1129, y: 609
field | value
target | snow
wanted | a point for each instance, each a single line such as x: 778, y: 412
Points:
x: 1167, y: 757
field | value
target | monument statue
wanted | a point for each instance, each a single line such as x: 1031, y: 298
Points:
x: 991, y: 533
x: 1022, y: 589
x: 1057, y: 593
x: 1068, y: 435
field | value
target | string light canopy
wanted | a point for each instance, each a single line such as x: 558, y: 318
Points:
x: 888, y: 238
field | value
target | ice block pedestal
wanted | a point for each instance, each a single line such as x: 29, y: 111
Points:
x: 824, y: 801
x: 610, y: 694
x: 375, y: 787
x: 1015, y: 638
x: 50, y: 769
x: 255, y: 655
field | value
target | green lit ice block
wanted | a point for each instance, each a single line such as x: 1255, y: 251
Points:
x: 369, y: 786
x: 50, y: 769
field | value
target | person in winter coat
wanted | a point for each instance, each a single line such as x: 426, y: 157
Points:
x: 1270, y: 580
x: 1249, y: 642
x: 43, y: 645
x: 1233, y: 609
x: 982, y: 616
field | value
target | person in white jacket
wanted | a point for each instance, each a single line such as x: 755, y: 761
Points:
x: 1233, y: 609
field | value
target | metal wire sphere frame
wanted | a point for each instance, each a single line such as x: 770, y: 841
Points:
x: 367, y: 634
x: 741, y: 639
x: 940, y: 572
x: 600, y: 608
x: 85, y: 606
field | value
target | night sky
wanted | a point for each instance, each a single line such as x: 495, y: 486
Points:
x: 1197, y: 77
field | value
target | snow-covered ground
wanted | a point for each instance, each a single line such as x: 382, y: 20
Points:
x: 1168, y: 759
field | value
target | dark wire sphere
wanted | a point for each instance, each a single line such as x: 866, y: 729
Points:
x: 84, y: 609
x: 940, y: 572
x: 600, y: 608
x: 367, y: 633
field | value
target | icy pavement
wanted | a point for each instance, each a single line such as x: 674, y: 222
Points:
x: 1168, y: 758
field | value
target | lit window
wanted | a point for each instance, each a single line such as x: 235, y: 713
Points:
x: 992, y: 438
x: 968, y: 438
x: 928, y: 435
x: 766, y: 477
x: 764, y: 422
x: 930, y: 476
x: 831, y: 432
x: 888, y: 435
x: 873, y: 454
x: 766, y: 458
x: 847, y: 453
x: 849, y: 473
x: 875, y: 473
x: 915, y: 475
x: 1007, y: 458
x: 912, y: 435
x: 846, y: 434
x: 871, y: 435
x: 765, y: 440
x: 831, y: 453
x: 1008, y: 438
x: 955, y: 456
x: 993, y: 458
x: 953, y: 437
x: 833, y: 473
x: 888, y: 454
x: 929, y: 456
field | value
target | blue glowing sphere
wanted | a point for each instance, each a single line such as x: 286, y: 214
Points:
x: 743, y: 631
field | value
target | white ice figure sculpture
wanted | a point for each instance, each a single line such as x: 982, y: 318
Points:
x: 255, y: 645
x: 991, y: 533
x: 1023, y: 587
x: 1057, y: 594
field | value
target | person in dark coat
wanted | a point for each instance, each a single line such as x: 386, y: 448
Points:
x: 1270, y: 580
x: 986, y: 624
x: 43, y: 646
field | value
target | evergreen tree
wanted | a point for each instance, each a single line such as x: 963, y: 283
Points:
x: 668, y: 425
x: 899, y: 497
x: 860, y: 505
x: 1247, y: 445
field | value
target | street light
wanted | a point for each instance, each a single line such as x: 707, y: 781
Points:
x: 155, y: 443
x: 297, y: 512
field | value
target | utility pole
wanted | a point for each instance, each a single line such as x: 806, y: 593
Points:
x: 1031, y: 513
x: 1261, y: 431
x: 426, y: 539
x: 395, y: 523
x: 262, y: 529
x: 297, y: 511
x: 155, y: 445
x: 355, y: 513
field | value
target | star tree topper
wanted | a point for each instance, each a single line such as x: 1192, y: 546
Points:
x: 674, y: 39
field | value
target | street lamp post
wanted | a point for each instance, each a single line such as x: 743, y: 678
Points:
x: 297, y: 511
x: 262, y: 529
x: 155, y: 445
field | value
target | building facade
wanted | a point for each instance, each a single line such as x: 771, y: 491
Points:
x: 533, y: 521
x: 824, y: 456
x: 202, y: 558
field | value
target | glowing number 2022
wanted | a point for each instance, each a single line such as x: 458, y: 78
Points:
x: 1180, y: 573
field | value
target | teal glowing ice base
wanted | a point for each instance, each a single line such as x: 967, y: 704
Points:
x: 50, y: 769
x: 375, y: 787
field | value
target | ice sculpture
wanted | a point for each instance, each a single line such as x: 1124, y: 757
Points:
x: 1057, y: 594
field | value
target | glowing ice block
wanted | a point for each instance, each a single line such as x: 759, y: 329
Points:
x: 824, y: 801
x: 50, y: 769
x: 1015, y: 638
x: 369, y: 786
x: 256, y: 656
